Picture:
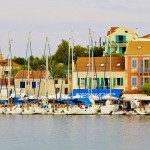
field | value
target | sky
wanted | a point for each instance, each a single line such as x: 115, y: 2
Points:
x: 59, y: 19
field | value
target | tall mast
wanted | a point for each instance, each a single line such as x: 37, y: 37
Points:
x: 68, y: 74
x: 92, y: 59
x: 110, y: 61
x: 72, y: 62
x: 9, y: 64
x: 89, y: 54
x: 29, y: 42
x: 46, y: 79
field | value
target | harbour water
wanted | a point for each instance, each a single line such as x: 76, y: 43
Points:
x: 62, y: 132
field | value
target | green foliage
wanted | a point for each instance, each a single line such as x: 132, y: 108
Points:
x: 59, y: 63
x: 18, y: 60
x: 146, y: 88
x: 98, y: 51
x: 59, y: 70
x: 80, y: 51
x: 61, y: 52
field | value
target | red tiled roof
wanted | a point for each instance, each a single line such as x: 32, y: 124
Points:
x: 112, y: 30
x: 132, y: 92
x: 5, y: 63
x: 83, y: 61
x: 32, y: 74
x: 146, y: 36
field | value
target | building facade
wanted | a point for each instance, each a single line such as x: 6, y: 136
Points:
x: 117, y: 38
x: 100, y: 73
x: 137, y: 60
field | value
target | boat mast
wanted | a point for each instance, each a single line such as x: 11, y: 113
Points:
x: 110, y: 62
x: 46, y: 79
x: 89, y: 55
x: 92, y: 59
x: 29, y: 42
x: 9, y: 64
x: 72, y: 62
x: 68, y: 74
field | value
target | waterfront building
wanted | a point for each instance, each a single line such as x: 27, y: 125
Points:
x: 118, y: 37
x: 95, y: 73
x: 7, y: 68
x: 35, y: 83
x: 137, y: 60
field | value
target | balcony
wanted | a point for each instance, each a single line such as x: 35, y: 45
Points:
x: 144, y: 71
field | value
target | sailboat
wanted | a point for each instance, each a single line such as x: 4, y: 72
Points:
x: 89, y: 107
x: 109, y: 106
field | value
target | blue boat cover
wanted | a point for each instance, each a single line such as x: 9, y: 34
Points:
x: 85, y: 93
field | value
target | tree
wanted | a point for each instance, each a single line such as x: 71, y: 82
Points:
x: 80, y: 51
x: 146, y: 88
x: 61, y: 52
x: 98, y: 51
x: 18, y: 60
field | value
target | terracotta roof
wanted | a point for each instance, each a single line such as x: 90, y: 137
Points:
x: 34, y: 74
x: 4, y: 63
x: 146, y: 36
x: 100, y: 64
x: 138, y: 48
x: 132, y: 92
x: 112, y: 30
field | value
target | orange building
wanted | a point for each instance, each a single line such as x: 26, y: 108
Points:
x: 137, y: 64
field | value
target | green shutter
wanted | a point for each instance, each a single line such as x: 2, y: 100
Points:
x: 78, y: 81
x: 120, y: 50
x: 85, y: 82
x: 117, y: 39
x: 90, y: 83
x: 98, y: 83
x: 114, y: 81
x: 124, y: 39
x: 121, y: 81
x: 108, y: 51
x: 102, y: 82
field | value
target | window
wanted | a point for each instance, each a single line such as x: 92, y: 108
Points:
x: 118, y: 81
x: 146, y: 80
x: 145, y: 64
x: 38, y: 84
x: 22, y: 84
x: 66, y: 81
x: 134, y: 63
x: 107, y: 81
x: 134, y: 81
x: 56, y: 81
x: 66, y: 90
x: 82, y: 80
x: 57, y: 90
x: 33, y: 85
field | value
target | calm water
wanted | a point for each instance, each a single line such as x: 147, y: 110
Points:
x: 45, y: 132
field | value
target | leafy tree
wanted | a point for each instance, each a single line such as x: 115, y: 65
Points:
x: 18, y: 60
x: 146, y: 88
x: 59, y: 70
x: 61, y: 52
x: 81, y: 51
x: 98, y: 51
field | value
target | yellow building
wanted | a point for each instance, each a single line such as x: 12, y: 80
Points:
x: 118, y: 37
x: 100, y: 73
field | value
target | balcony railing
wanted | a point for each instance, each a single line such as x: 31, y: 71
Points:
x: 144, y: 70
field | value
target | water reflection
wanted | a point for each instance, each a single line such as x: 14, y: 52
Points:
x: 44, y: 132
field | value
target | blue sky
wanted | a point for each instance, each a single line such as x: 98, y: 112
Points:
x: 58, y: 18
